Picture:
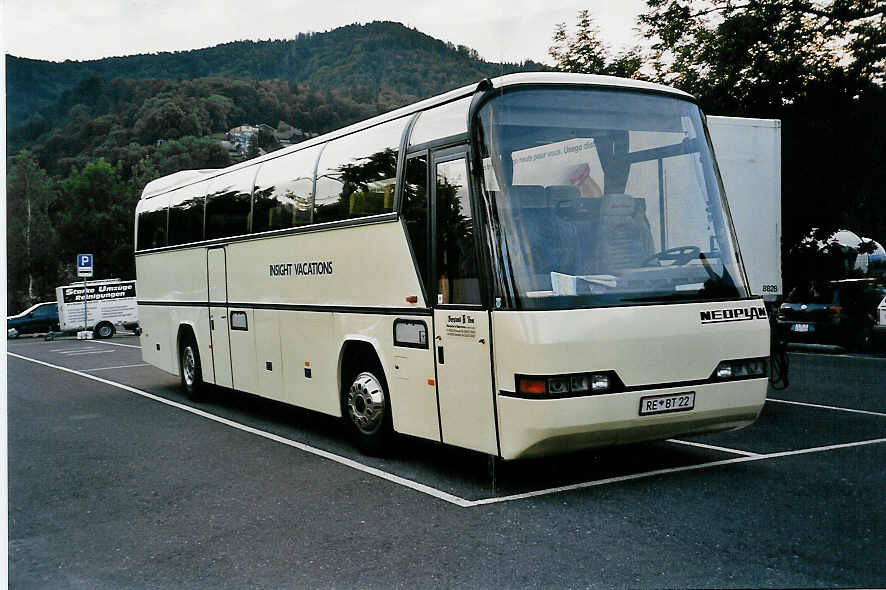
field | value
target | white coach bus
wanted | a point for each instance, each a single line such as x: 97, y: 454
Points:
x: 534, y: 264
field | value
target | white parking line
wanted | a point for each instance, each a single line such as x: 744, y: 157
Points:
x: 713, y: 447
x: 646, y: 474
x: 439, y: 494
x: 118, y: 367
x: 116, y: 344
x: 419, y: 487
x: 79, y: 352
x: 821, y: 407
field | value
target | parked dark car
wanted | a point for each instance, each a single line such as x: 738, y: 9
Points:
x: 836, y: 312
x: 41, y: 317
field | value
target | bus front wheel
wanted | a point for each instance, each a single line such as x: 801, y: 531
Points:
x: 189, y: 367
x: 368, y: 412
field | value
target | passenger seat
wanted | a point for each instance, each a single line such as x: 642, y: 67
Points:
x: 625, y: 237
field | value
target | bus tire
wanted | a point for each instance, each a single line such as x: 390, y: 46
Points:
x: 367, y: 411
x: 189, y: 369
x: 103, y: 330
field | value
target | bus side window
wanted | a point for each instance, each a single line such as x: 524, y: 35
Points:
x: 283, y: 195
x: 356, y: 175
x: 152, y: 222
x: 415, y: 211
x: 229, y: 204
x: 442, y: 121
x: 457, y: 276
x: 186, y: 214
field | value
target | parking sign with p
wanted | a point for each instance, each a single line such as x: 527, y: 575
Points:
x: 84, y: 265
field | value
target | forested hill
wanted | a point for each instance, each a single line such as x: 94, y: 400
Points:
x: 83, y: 138
x: 366, y: 61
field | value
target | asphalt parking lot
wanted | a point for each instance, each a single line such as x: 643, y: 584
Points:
x: 117, y: 481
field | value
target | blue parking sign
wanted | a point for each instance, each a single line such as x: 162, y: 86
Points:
x: 84, y: 265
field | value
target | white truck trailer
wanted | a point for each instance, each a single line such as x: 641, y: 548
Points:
x: 748, y: 154
x: 108, y: 304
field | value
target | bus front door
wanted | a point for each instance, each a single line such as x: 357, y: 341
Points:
x: 218, y: 317
x: 461, y: 324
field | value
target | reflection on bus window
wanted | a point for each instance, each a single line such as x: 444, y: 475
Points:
x: 152, y: 215
x: 442, y: 121
x: 186, y: 215
x: 457, y: 278
x: 357, y: 174
x: 283, y: 195
x: 229, y: 204
x: 415, y: 211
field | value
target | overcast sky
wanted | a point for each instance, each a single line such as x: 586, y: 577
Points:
x: 504, y: 30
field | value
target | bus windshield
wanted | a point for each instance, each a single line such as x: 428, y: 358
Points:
x: 604, y: 197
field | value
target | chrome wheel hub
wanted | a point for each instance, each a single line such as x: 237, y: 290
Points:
x: 366, y: 403
x: 189, y: 366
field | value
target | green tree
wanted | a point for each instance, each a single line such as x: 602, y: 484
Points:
x: 584, y: 52
x: 818, y: 66
x: 30, y: 236
x: 97, y: 217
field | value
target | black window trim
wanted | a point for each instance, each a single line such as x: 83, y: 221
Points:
x: 441, y: 156
x: 397, y: 343
x: 425, y: 289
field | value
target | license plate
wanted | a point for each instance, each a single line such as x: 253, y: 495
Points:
x: 801, y: 328
x: 663, y: 404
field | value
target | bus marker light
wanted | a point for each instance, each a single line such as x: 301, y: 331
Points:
x: 307, y: 363
x: 431, y: 382
x: 528, y: 385
x: 412, y: 299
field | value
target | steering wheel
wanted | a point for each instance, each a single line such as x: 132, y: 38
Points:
x: 680, y: 255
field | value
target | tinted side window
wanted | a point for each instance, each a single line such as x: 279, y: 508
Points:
x: 442, y: 121
x: 457, y: 276
x: 415, y: 211
x: 283, y: 195
x: 229, y: 204
x: 357, y: 174
x: 186, y: 214
x: 151, y: 229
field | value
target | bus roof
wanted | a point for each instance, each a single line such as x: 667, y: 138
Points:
x: 186, y: 177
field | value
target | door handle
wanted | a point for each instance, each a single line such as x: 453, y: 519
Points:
x: 440, y: 354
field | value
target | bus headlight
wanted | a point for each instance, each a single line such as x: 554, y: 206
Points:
x: 600, y: 382
x: 558, y: 385
x: 578, y: 383
x: 566, y: 385
x: 741, y: 369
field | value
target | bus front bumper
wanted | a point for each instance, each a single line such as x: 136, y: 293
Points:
x: 534, y: 427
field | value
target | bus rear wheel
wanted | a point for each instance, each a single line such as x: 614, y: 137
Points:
x: 368, y: 412
x: 189, y: 368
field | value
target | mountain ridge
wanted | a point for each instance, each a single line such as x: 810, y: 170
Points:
x: 364, y: 60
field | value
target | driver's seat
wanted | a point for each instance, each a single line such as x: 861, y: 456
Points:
x: 625, y: 238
